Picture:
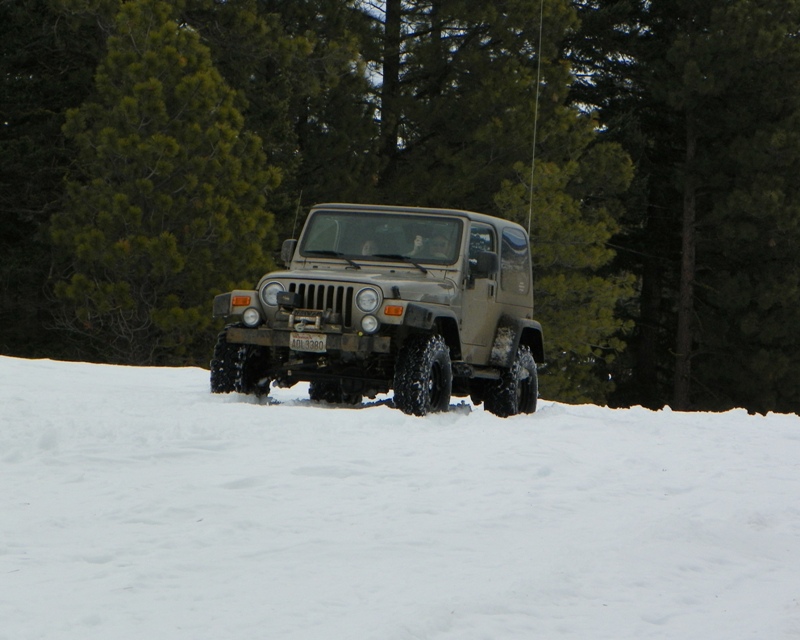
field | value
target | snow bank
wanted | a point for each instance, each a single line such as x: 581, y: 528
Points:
x: 136, y: 504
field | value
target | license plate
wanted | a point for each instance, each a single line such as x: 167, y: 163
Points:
x: 314, y: 342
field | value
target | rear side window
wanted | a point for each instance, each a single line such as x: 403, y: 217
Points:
x: 515, y: 262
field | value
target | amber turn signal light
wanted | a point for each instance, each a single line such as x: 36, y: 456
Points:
x: 241, y: 301
x: 393, y: 310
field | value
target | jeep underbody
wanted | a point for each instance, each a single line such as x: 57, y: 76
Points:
x: 427, y: 303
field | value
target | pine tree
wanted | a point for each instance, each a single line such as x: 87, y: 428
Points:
x: 572, y: 211
x: 46, y: 66
x: 331, y: 117
x: 466, y: 89
x: 166, y: 206
x: 705, y: 97
x: 615, y: 54
x: 456, y: 101
x: 300, y: 67
x: 748, y: 275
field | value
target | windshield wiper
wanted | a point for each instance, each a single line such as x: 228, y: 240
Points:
x: 334, y: 254
x: 397, y: 256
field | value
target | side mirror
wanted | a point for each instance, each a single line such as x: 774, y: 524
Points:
x: 287, y: 250
x: 487, y: 264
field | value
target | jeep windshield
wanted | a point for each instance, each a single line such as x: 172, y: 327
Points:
x: 365, y: 235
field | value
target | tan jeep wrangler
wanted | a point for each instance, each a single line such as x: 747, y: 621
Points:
x: 429, y: 303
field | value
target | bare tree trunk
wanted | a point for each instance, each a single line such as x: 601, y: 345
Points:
x: 390, y: 88
x: 683, y: 346
x: 650, y: 302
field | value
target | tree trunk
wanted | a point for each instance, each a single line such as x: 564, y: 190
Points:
x: 650, y: 325
x: 390, y: 88
x: 683, y: 346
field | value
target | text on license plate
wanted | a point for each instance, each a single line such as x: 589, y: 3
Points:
x: 315, y: 342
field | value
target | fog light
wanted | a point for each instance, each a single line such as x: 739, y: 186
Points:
x: 251, y: 317
x: 369, y: 324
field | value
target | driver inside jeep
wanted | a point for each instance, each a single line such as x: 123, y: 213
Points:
x: 369, y: 248
x: 437, y: 247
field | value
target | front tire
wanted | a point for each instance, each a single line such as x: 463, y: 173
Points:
x: 517, y: 390
x: 223, y: 365
x: 251, y: 367
x: 239, y: 367
x: 423, y: 376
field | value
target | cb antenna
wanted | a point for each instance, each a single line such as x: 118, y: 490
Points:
x: 535, y: 116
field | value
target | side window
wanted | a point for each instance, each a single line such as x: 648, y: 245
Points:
x: 481, y: 238
x: 515, y: 262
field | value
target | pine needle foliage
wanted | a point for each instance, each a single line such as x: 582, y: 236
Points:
x: 572, y: 211
x: 166, y: 202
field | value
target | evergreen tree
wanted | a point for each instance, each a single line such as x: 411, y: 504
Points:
x: 467, y: 83
x: 572, y: 210
x: 46, y: 66
x: 166, y: 205
x: 708, y: 95
x: 457, y: 95
x: 332, y: 118
x: 615, y: 55
x: 747, y: 66
x: 300, y: 67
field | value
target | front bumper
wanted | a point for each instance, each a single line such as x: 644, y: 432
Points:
x: 348, y: 342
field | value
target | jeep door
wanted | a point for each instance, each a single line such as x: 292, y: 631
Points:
x: 480, y: 312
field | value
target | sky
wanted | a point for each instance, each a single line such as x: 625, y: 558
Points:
x: 136, y: 504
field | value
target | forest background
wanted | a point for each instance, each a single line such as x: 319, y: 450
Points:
x: 152, y: 154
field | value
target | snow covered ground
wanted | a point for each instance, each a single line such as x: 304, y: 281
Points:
x: 135, y: 505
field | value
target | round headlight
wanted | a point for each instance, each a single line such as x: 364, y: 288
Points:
x: 269, y: 293
x: 368, y: 300
x: 251, y: 317
x: 369, y: 324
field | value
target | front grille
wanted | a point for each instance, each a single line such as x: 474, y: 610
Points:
x: 323, y: 297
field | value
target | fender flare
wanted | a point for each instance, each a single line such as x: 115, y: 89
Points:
x: 425, y: 317
x: 510, y: 334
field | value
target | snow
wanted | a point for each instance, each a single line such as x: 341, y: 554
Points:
x: 135, y: 504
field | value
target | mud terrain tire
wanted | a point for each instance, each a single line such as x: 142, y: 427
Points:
x: 423, y: 376
x: 251, y: 364
x: 223, y: 364
x: 517, y: 390
x: 239, y: 368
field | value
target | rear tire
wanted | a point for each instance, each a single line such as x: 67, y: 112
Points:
x: 423, y: 376
x: 517, y: 390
